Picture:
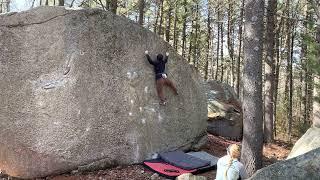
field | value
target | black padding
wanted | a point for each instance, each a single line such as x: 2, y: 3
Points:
x: 183, y: 160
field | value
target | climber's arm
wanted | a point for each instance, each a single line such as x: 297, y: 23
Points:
x: 166, y: 57
x: 149, y: 58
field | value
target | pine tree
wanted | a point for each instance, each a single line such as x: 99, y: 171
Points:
x: 251, y: 153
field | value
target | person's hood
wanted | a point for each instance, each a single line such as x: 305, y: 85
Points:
x: 160, y: 57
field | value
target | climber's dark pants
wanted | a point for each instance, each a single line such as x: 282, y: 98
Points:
x: 160, y: 83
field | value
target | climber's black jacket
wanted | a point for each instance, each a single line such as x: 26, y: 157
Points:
x: 159, y: 65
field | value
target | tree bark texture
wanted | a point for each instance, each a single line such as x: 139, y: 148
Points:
x: 269, y: 71
x: 141, y: 12
x: 251, y: 153
x: 184, y: 29
x: 160, y: 31
x: 61, y: 2
x: 239, y: 48
x: 114, y: 6
x: 208, y: 43
x: 168, y: 27
x: 175, y: 33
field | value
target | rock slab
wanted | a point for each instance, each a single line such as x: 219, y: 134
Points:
x: 309, y: 141
x: 304, y: 167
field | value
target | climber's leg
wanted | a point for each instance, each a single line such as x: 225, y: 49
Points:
x: 159, y: 84
x: 171, y: 85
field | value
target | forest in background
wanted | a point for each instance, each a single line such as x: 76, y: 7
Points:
x: 210, y: 35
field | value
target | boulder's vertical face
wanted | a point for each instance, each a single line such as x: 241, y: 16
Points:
x: 224, y: 111
x: 76, y: 89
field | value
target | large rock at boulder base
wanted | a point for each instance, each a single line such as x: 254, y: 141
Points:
x: 305, y: 166
x: 224, y: 111
x: 309, y: 141
x: 77, y: 90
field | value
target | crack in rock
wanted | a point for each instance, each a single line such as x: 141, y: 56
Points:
x: 28, y: 24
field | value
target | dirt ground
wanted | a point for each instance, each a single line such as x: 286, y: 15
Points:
x: 215, y: 146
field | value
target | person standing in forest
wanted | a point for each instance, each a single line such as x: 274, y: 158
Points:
x: 161, y: 77
x: 229, y: 167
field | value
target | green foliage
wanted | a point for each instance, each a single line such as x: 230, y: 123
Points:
x: 299, y: 125
x: 300, y: 128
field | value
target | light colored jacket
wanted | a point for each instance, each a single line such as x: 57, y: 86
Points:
x: 235, y: 171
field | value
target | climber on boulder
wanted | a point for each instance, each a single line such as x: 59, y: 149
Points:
x: 161, y: 77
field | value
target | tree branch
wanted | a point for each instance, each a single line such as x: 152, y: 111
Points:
x: 83, y: 2
x: 71, y: 3
x: 103, y: 7
x: 33, y: 3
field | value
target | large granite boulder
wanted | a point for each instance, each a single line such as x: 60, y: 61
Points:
x: 224, y: 111
x: 309, y: 141
x: 77, y: 92
x: 304, y: 167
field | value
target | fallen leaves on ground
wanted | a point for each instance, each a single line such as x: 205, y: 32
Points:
x: 216, y: 146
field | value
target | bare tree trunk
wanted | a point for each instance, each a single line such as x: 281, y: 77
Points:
x: 316, y: 102
x: 280, y: 30
x: 291, y: 86
x: 47, y: 2
x: 108, y: 4
x: 160, y: 32
x: 5, y: 6
x: 195, y: 48
x: 190, y: 41
x: 251, y: 153
x: 102, y: 5
x: 175, y: 36
x: 310, y: 96
x: 303, y: 62
x: 114, y: 6
x: 169, y: 21
x: 8, y: 5
x: 306, y: 95
x: 299, y: 93
x: 231, y: 40
x: 61, y: 3
x: 316, y: 93
x: 183, y: 50
x: 309, y: 84
x: 71, y: 5
x: 276, y: 80
x: 208, y: 43
x: 155, y: 26
x: 218, y: 45
x: 288, y: 71
x: 221, y: 53
x: 269, y: 71
x: 141, y: 12
x: 239, y: 48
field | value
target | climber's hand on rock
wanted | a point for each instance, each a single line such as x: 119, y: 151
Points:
x: 146, y: 52
x: 167, y: 53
